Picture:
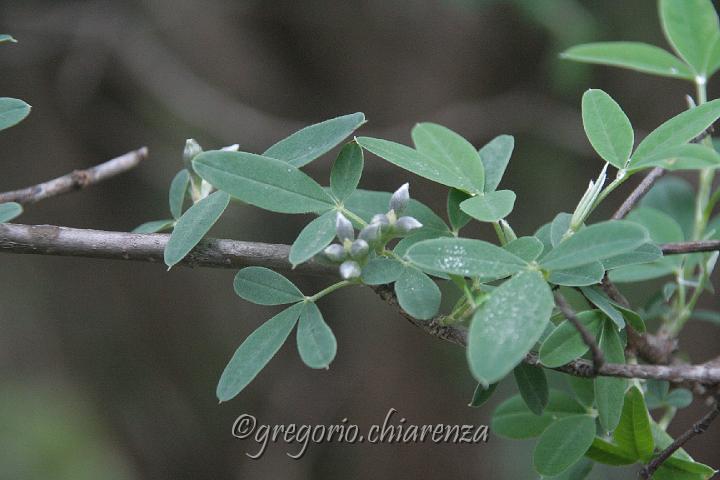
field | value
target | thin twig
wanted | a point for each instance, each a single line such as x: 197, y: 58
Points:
x: 597, y: 355
x: 638, y: 193
x: 697, y: 429
x: 76, y: 180
x: 690, y: 247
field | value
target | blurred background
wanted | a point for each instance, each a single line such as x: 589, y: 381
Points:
x: 108, y: 369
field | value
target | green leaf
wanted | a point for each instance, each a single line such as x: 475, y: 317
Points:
x: 313, y: 238
x: 495, y: 156
x: 633, y: 433
x: 646, y: 253
x: 346, y: 171
x: 559, y: 227
x: 381, y: 271
x: 491, y: 206
x: 12, y: 112
x: 681, y: 157
x: 679, y: 398
x: 691, y: 27
x: 527, y: 248
x: 707, y: 316
x: 465, y: 257
x: 316, y: 342
x: 193, y: 225
x: 594, y: 243
x: 583, y: 388
x: 262, y: 181
x: 563, y: 443
x: 564, y: 344
x: 417, y: 294
x: 256, y: 351
x: 430, y: 167
x: 661, y: 226
x: 601, y: 301
x: 457, y: 217
x: 676, y: 469
x: 481, y: 395
x: 9, y: 210
x: 578, y: 471
x: 610, y: 454
x: 507, y: 325
x: 7, y: 38
x: 178, y: 189
x: 610, y: 391
x: 366, y: 203
x: 304, y: 146
x: 676, y: 131
x: 639, y: 273
x: 675, y: 197
x: 154, y: 226
x: 607, y: 127
x: 633, y: 55
x: 581, y: 276
x: 265, y: 287
x: 533, y: 387
x: 512, y: 418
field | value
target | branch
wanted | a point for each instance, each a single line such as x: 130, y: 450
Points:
x: 77, y: 179
x: 74, y: 242
x: 697, y: 429
x: 690, y: 247
x: 597, y: 355
x: 638, y: 193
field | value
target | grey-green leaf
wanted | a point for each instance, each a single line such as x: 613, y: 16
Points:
x: 255, y: 352
x: 607, y: 127
x: 481, y: 395
x: 193, y: 225
x: 304, y: 146
x: 7, y: 38
x: 491, y: 206
x: 610, y: 391
x: 316, y: 342
x: 313, y: 238
x: 633, y: 55
x: 265, y: 287
x: 559, y: 227
x: 512, y: 418
x: 178, y: 189
x: 265, y: 182
x: 9, y: 210
x: 366, y: 203
x: 601, y: 301
x: 381, y: 270
x: 495, y: 156
x: 533, y: 386
x: 581, y: 276
x: 633, y: 433
x: 417, y: 294
x: 507, y: 325
x: 645, y: 253
x: 564, y: 344
x: 456, y: 216
x: 12, y: 112
x: 563, y: 443
x: 154, y: 226
x: 691, y: 27
x: 346, y: 171
x: 681, y: 157
x: 527, y: 248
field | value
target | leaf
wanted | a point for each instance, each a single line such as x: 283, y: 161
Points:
x: 527, y: 248
x: 583, y: 388
x: 481, y: 395
x: 9, y: 210
x: 581, y: 276
x: 417, y: 294
x: 452, y: 149
x: 563, y: 443
x: 262, y: 181
x: 495, y: 156
x: 679, y: 398
x: 381, y: 270
x: 633, y: 55
x: 465, y: 257
x: 154, y: 226
x: 675, y: 197
x: 430, y: 167
x: 578, y: 471
x: 366, y: 203
x: 707, y: 316
x: 346, y: 171
x: 691, y: 27
x: 457, y: 217
x: 608, y: 453
x: 681, y: 157
x: 633, y: 433
x: 256, y: 351
x: 265, y: 287
x: 639, y: 273
x: 594, y: 243
x: 491, y: 206
x: 512, y: 418
x: 316, y: 342
x: 533, y: 387
x: 558, y: 227
x: 676, y: 469
x: 676, y: 131
x: 313, y: 238
x: 193, y: 225
x: 645, y: 253
x: 12, y: 112
x: 601, y: 301
x: 607, y: 127
x: 7, y: 38
x: 564, y: 344
x: 178, y: 189
x: 610, y: 391
x: 507, y: 325
x: 304, y: 146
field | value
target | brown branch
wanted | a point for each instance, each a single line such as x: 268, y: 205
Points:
x: 76, y: 180
x: 698, y: 428
x: 638, y: 193
x: 597, y: 355
x: 690, y: 247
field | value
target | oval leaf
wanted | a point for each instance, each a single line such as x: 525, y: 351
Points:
x: 346, y: 171
x: 633, y: 433
x: 178, y: 189
x: 9, y: 210
x: 581, y: 276
x: 491, y: 206
x: 563, y: 443
x: 533, y: 387
x: 681, y: 157
x: 691, y: 27
x: 313, y: 238
x: 265, y: 287
x: 417, y: 294
x: 607, y: 127
x: 457, y: 217
x: 12, y: 112
x: 316, y: 342
x: 481, y: 395
x: 527, y: 248
x: 564, y: 344
x: 512, y: 419
x: 381, y: 270
x: 495, y: 156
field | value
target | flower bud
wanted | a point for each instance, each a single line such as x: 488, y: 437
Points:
x: 379, y: 219
x: 400, y: 199
x: 231, y: 148
x: 406, y: 225
x: 192, y: 149
x: 359, y: 249
x: 335, y: 252
x: 370, y: 233
x: 349, y: 269
x: 343, y: 228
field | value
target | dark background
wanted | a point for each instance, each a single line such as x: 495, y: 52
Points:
x: 108, y: 369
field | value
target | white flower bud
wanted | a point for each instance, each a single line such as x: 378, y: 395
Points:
x: 407, y: 224
x: 350, y: 269
x: 231, y: 148
x: 192, y: 149
x: 343, y: 228
x: 379, y: 219
x: 359, y: 249
x: 335, y: 252
x: 400, y: 199
x: 370, y: 233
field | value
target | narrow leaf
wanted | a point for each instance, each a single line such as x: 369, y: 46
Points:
x: 154, y: 226
x: 559, y: 227
x: 564, y: 344
x: 178, y: 189
x: 481, y: 395
x: 533, y: 387
x: 265, y: 287
x: 491, y: 206
x: 610, y: 391
x: 607, y: 127
x: 456, y: 216
x: 12, y: 112
x: 495, y: 157
x: 601, y: 301
x: 633, y: 433
x: 346, y: 171
x: 313, y: 238
x: 7, y: 38
x: 316, y: 342
x: 681, y: 157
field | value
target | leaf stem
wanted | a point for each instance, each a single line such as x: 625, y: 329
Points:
x: 330, y: 289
